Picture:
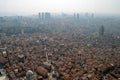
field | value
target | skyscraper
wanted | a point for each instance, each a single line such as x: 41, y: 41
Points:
x: 101, y: 31
x: 47, y: 15
x: 78, y: 16
x: 39, y: 15
x: 43, y: 16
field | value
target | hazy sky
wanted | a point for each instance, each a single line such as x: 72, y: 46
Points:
x: 35, y: 6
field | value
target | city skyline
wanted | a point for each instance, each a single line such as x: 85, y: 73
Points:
x: 28, y: 7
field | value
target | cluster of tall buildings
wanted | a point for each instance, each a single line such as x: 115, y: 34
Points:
x: 49, y: 15
x: 87, y: 15
x: 44, y: 15
x: 76, y: 15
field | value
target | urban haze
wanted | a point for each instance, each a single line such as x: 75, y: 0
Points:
x: 59, y: 40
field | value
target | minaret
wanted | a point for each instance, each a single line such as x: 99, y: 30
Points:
x: 46, y: 53
x: 45, y: 49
